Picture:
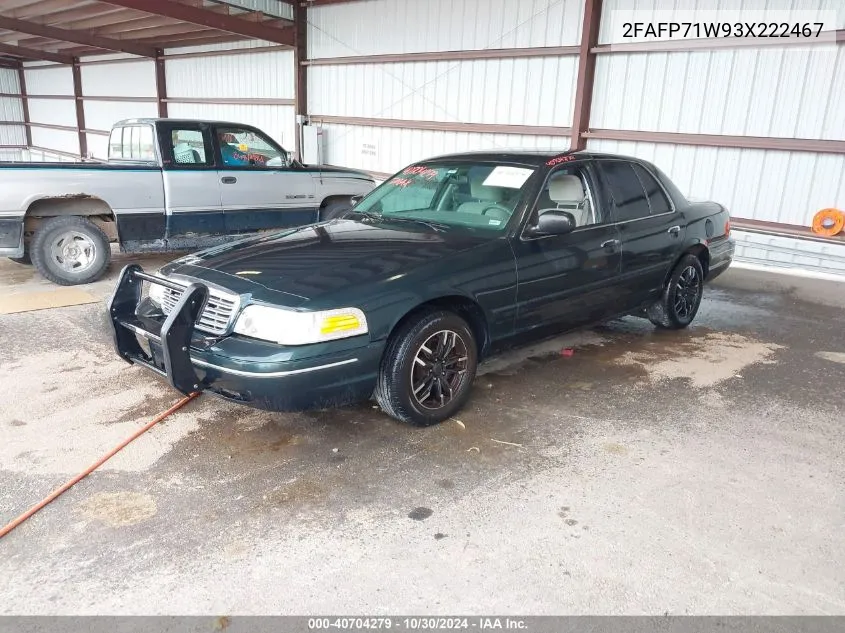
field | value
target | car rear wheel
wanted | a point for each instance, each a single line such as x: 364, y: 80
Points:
x: 681, y: 297
x: 427, y: 370
x: 70, y: 250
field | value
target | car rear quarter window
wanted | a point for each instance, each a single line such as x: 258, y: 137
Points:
x: 656, y: 197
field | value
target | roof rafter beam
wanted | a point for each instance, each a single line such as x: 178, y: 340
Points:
x: 209, y: 19
x: 76, y: 37
x: 31, y: 53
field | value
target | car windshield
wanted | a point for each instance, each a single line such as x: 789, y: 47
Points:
x: 474, y: 195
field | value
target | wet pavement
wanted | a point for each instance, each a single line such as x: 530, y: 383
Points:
x: 648, y: 472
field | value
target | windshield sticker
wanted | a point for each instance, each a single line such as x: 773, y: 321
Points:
x: 494, y: 222
x: 557, y: 160
x: 426, y: 172
x: 510, y: 177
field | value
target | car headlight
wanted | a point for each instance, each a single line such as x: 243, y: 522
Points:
x: 290, y: 327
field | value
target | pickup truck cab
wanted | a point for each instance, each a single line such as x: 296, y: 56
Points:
x: 168, y: 185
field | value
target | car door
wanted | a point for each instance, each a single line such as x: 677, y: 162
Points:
x: 568, y: 279
x: 191, y: 186
x: 652, y: 232
x: 260, y: 188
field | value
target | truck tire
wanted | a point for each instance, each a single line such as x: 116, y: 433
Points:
x: 335, y: 209
x: 70, y: 250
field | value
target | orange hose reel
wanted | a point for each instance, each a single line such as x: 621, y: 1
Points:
x: 828, y: 222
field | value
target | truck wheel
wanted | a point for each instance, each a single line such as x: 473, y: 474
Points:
x: 681, y: 296
x: 427, y: 370
x: 335, y: 209
x: 70, y: 250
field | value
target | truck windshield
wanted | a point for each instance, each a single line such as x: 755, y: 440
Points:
x: 476, y: 195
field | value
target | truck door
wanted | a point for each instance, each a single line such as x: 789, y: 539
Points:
x: 191, y: 186
x: 259, y: 188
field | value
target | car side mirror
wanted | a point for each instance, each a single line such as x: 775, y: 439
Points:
x: 553, y: 222
x: 356, y: 199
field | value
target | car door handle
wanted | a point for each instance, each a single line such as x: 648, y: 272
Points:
x: 674, y: 230
x: 228, y: 180
x: 610, y: 245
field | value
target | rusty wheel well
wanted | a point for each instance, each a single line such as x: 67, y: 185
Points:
x: 95, y: 209
x: 464, y: 307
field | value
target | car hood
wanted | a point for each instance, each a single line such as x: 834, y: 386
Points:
x: 296, y: 266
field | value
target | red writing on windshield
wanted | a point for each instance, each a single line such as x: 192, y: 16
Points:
x: 426, y: 172
x: 557, y: 160
x: 401, y: 182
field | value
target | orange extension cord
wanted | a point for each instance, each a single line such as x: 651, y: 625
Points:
x: 59, y: 491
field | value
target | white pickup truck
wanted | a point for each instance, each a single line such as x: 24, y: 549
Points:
x: 169, y: 185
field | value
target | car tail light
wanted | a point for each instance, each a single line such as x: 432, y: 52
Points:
x: 727, y: 228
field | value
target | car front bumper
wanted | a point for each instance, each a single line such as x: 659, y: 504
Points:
x: 255, y: 373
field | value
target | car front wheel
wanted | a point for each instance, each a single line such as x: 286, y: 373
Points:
x: 427, y: 369
x: 681, y: 296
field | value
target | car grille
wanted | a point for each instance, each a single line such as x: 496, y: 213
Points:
x: 215, y: 316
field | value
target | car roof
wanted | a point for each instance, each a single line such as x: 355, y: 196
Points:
x: 527, y: 157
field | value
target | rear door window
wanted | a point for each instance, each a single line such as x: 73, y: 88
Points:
x: 622, y: 183
x: 189, y: 147
x: 657, y: 199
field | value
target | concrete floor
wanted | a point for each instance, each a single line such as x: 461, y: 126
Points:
x: 691, y: 473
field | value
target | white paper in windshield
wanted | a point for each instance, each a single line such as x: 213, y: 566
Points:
x: 510, y: 177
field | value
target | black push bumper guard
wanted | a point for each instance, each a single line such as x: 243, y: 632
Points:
x: 172, y: 336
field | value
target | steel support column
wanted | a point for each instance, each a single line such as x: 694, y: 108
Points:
x: 161, y: 84
x: 300, y: 56
x: 586, y: 73
x: 80, y: 108
x: 24, y: 105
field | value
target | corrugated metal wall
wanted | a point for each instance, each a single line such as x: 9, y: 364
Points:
x: 406, y: 26
x: 537, y: 91
x: 785, y: 187
x: 260, y: 75
x: 127, y: 89
x: 51, y: 80
x: 10, y: 110
x: 786, y: 93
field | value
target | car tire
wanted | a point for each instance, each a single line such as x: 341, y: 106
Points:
x: 681, y: 296
x: 70, y: 250
x: 335, y: 209
x: 428, y: 358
